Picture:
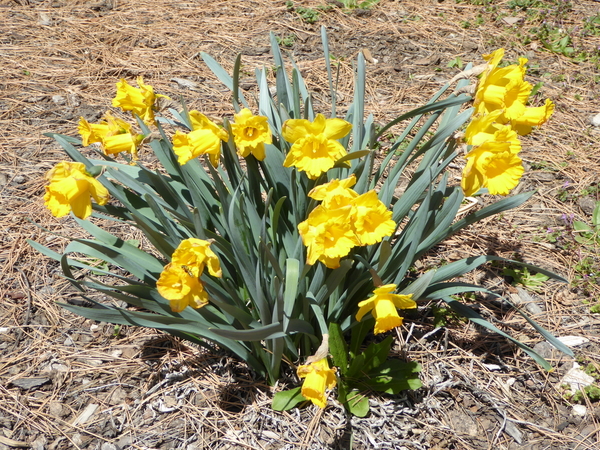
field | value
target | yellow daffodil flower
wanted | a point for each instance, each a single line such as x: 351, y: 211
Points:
x: 204, y: 139
x: 494, y: 166
x: 70, y: 189
x: 250, y: 134
x: 328, y: 235
x: 384, y: 305
x: 372, y: 221
x: 91, y: 132
x: 504, y: 89
x: 484, y: 128
x: 493, y: 59
x: 140, y: 101
x: 318, y: 377
x: 113, y: 134
x: 181, y: 288
x: 195, y: 255
x: 315, y: 147
x: 336, y: 193
x: 531, y: 117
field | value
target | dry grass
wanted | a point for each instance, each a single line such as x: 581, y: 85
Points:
x: 152, y: 391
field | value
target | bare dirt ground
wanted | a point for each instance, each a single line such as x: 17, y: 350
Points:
x: 69, y: 383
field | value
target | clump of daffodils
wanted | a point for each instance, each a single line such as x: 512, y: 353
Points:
x: 342, y: 221
x: 500, y: 116
x: 268, y: 232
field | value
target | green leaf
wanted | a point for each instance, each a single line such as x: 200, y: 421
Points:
x: 356, y: 365
x: 350, y: 156
x: 338, y: 347
x: 357, y: 403
x: 420, y: 285
x: 292, y: 275
x: 332, y: 91
x: 189, y: 329
x: 222, y: 75
x: 376, y: 354
x: 286, y: 400
x: 467, y: 312
x: 359, y: 333
x: 393, y: 376
x: 596, y: 215
x: 580, y: 226
x: 458, y: 268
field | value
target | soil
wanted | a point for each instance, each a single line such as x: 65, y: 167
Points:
x: 71, y: 383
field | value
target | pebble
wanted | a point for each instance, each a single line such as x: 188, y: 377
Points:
x: 579, y: 410
x: 595, y: 120
x: 108, y: 446
x: 19, y: 179
x: 59, y: 99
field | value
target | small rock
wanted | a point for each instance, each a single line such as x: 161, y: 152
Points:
x: 187, y: 84
x: 573, y: 341
x: 125, y: 441
x: 577, y: 379
x: 77, y: 440
x: 108, y: 446
x: 39, y: 443
x: 511, y: 20
x: 59, y: 99
x: 45, y: 20
x: 544, y: 349
x: 579, y: 410
x: 595, y: 120
x: 587, y: 205
x: 30, y: 383
x: 19, y: 179
x: 57, y: 410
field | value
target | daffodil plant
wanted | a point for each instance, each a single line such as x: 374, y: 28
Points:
x: 274, y: 235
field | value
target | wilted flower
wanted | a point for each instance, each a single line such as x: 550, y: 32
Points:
x: 140, y: 101
x: 318, y: 377
x: 70, y: 189
x: 315, y: 148
x: 383, y: 305
x: 195, y: 255
x: 181, y: 288
x: 328, y: 235
x: 204, y: 139
x: 250, y: 134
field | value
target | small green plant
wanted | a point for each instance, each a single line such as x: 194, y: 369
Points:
x: 456, y: 62
x: 287, y: 41
x: 308, y: 15
x: 443, y: 316
x: 588, y: 234
x: 521, y: 275
x: 592, y: 392
x: 592, y: 26
x: 366, y: 4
